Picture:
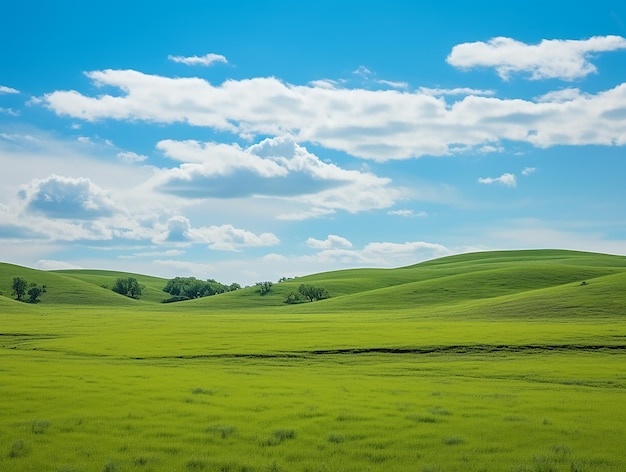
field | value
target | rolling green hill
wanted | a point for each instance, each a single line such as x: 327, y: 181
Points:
x: 502, y: 283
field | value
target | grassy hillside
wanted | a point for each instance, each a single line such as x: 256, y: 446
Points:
x: 502, y: 283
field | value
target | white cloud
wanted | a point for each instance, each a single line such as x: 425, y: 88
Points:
x: 276, y: 167
x: 4, y: 89
x: 529, y: 170
x: 131, y: 157
x: 393, y: 84
x: 408, y: 213
x: 332, y: 241
x: 362, y: 71
x: 47, y: 264
x: 550, y: 59
x: 376, y: 124
x: 9, y: 111
x: 505, y: 179
x: 560, y: 96
x: 205, y: 60
x: 67, y: 198
x: 222, y: 238
x: 382, y: 254
x: 435, y: 92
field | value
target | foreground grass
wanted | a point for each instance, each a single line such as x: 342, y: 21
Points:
x: 82, y: 390
x: 492, y: 362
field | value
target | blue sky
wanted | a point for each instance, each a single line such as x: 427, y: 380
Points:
x: 247, y: 141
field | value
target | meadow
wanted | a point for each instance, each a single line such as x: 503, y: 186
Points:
x: 509, y: 361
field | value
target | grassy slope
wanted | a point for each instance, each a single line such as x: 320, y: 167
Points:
x: 509, y: 283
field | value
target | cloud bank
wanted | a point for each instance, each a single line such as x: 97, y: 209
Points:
x: 372, y: 124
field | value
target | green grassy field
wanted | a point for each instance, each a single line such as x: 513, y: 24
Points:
x: 501, y: 361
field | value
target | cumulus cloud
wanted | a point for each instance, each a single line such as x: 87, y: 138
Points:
x: 67, y: 198
x: 375, y: 124
x: 4, y: 89
x: 223, y: 238
x: 332, y: 241
x: 276, y: 167
x: 205, y: 60
x: 507, y: 179
x: 550, y: 59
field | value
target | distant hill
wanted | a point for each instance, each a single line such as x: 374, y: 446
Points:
x: 504, y: 283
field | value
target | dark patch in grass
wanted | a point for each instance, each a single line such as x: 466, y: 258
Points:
x: 223, y: 431
x: 18, y: 449
x: 453, y: 441
x: 142, y: 460
x: 202, y: 391
x: 422, y: 418
x: 439, y: 410
x: 514, y: 419
x: 39, y: 427
x: 336, y: 438
x: 196, y: 464
x: 111, y: 467
x: 279, y: 436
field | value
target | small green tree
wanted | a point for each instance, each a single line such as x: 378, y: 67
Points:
x: 264, y: 287
x: 34, y: 292
x: 128, y: 287
x: 19, y: 287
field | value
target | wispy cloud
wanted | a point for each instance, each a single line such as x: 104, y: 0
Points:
x: 408, y: 213
x: 4, y: 89
x: 131, y: 157
x: 436, y: 92
x: 507, y: 179
x: 529, y: 170
x: 205, y: 60
x: 550, y: 59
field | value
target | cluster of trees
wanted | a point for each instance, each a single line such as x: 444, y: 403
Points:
x: 307, y: 293
x: 129, y: 287
x: 21, y: 288
x: 188, y: 288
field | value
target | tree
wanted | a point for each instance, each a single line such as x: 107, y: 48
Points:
x: 312, y: 293
x: 19, y: 287
x: 34, y: 292
x: 128, y: 287
x: 264, y: 287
